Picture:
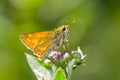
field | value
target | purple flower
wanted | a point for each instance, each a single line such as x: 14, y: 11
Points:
x: 55, y: 55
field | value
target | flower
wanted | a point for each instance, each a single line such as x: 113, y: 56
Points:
x: 55, y: 55
x: 55, y: 64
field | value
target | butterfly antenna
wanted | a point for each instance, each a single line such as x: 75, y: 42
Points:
x: 69, y: 21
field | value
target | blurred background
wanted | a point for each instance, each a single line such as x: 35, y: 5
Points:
x: 96, y: 31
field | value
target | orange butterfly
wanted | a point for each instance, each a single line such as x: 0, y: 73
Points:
x: 42, y: 43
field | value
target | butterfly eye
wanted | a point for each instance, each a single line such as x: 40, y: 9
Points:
x: 64, y: 28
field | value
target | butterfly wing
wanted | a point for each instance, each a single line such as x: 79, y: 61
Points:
x: 30, y: 40
x: 43, y: 46
x: 39, y: 42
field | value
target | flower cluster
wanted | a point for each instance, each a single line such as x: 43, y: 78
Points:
x: 56, y: 63
x: 57, y: 55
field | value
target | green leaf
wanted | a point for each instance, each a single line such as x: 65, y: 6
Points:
x: 60, y: 75
x: 44, y: 65
x: 40, y: 69
x: 70, y: 68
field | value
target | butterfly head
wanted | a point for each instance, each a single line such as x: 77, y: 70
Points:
x: 64, y: 30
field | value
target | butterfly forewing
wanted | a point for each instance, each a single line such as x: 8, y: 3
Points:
x: 44, y: 45
x: 30, y: 40
x: 42, y: 49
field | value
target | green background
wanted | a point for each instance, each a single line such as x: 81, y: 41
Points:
x: 96, y: 31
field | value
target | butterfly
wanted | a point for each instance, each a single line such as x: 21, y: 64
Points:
x: 42, y: 43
